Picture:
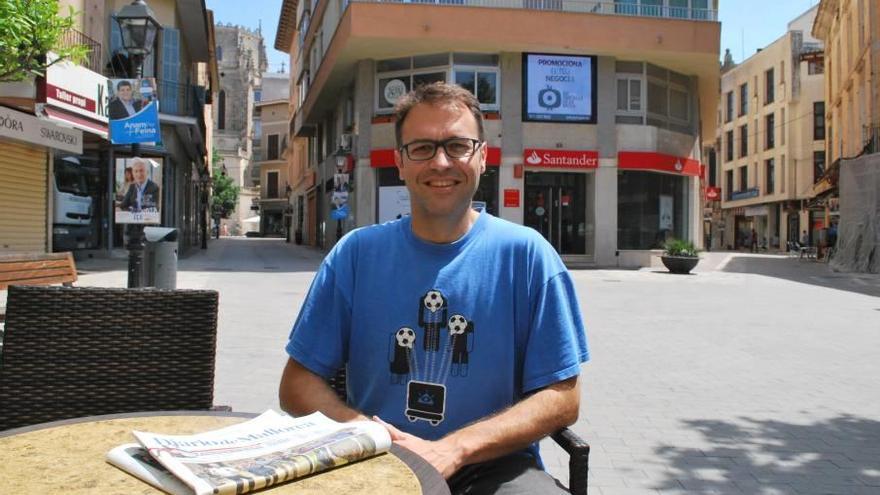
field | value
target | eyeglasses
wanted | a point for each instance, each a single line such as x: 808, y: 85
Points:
x: 457, y: 147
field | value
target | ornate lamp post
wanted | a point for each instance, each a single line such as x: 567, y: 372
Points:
x: 139, y: 27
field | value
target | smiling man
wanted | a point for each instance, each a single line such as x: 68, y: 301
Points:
x: 460, y: 331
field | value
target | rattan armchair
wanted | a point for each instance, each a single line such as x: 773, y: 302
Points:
x: 578, y: 450
x: 78, y: 351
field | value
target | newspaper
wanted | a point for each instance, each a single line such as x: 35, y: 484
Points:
x: 269, y: 449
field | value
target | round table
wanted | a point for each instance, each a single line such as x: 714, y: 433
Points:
x: 69, y: 457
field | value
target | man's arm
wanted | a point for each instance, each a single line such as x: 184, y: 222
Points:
x: 303, y: 392
x: 533, y: 418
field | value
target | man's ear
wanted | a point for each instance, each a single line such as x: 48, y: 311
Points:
x: 484, y: 153
x: 398, y: 162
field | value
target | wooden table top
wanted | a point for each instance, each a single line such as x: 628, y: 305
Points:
x: 69, y: 457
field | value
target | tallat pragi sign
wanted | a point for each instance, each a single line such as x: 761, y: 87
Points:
x: 559, y: 88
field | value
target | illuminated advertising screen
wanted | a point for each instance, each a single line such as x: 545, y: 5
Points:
x: 559, y: 88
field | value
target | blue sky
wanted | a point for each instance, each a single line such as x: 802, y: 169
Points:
x: 746, y: 25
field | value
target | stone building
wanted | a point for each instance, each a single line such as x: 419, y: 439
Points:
x: 241, y: 59
x: 270, y: 157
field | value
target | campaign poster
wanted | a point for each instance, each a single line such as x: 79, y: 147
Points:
x: 133, y: 110
x: 559, y: 88
x: 393, y: 203
x: 138, y: 188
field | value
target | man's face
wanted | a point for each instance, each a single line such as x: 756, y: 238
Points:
x: 440, y: 188
x: 140, y: 172
x: 124, y: 93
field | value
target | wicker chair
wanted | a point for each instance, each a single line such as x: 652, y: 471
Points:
x: 578, y: 450
x: 75, y: 351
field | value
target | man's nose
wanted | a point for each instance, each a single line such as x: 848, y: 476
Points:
x: 441, y: 160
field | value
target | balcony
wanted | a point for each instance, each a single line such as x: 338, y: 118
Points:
x: 72, y: 37
x: 631, y: 8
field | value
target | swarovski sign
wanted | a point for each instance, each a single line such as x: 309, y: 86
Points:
x: 24, y: 127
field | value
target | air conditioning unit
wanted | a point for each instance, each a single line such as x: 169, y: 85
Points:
x: 345, y: 141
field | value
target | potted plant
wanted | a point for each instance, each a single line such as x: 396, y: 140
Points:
x: 680, y: 256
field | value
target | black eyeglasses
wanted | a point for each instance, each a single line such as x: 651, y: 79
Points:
x: 425, y: 149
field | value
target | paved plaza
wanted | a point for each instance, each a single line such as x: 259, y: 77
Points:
x: 758, y: 374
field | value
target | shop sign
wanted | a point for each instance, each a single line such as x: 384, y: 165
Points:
x: 713, y: 193
x: 76, y: 89
x: 744, y: 194
x: 660, y: 162
x: 511, y: 198
x: 27, y: 128
x: 757, y: 211
x: 539, y: 158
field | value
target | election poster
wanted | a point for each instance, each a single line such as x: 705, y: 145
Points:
x: 133, y: 110
x: 559, y: 88
x: 138, y: 197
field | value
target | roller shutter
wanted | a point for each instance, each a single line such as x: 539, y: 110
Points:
x: 23, y: 197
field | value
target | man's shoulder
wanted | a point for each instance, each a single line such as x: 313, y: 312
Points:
x: 370, y: 236
x: 506, y: 232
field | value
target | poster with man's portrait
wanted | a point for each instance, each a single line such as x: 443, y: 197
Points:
x: 138, y: 197
x: 133, y: 110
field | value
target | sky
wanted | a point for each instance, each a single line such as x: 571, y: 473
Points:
x: 746, y: 25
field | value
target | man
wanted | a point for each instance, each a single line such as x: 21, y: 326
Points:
x: 123, y: 105
x: 143, y: 194
x: 461, y: 331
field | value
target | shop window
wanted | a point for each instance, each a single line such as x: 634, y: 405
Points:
x: 743, y: 140
x: 476, y: 72
x: 743, y: 99
x: 770, y: 180
x: 651, y: 209
x: 819, y: 121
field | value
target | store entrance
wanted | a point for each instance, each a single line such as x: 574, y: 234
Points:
x: 555, y: 206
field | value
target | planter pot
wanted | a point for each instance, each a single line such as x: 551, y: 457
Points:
x: 680, y: 264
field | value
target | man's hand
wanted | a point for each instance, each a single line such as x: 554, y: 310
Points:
x: 446, y: 457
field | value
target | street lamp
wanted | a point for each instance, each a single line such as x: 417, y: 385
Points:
x: 138, y: 26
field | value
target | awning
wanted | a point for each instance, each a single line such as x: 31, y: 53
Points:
x: 76, y: 121
x: 254, y: 219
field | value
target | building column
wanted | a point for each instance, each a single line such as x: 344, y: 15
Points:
x: 366, y: 200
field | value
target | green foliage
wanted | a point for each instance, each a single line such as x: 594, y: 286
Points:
x: 680, y: 247
x: 226, y: 192
x: 28, y: 30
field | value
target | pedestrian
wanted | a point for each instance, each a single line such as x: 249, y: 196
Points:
x: 461, y: 331
x: 805, y: 239
x: 754, y: 241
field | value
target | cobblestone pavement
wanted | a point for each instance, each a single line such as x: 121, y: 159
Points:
x: 757, y: 375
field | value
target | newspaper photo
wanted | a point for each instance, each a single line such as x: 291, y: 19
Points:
x: 269, y: 449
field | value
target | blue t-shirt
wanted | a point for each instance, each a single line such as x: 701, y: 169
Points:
x: 437, y: 336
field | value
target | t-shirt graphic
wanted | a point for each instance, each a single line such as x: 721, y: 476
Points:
x: 428, y: 371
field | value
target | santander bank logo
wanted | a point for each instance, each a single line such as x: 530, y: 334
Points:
x: 561, y: 158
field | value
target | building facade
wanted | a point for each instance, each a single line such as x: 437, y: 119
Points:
x: 241, y: 59
x: 594, y: 143
x: 270, y: 155
x: 770, y: 143
x: 78, y: 184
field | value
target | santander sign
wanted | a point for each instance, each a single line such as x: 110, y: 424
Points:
x: 538, y: 158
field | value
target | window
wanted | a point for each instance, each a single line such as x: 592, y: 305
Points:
x: 629, y: 94
x: 819, y: 121
x: 744, y: 178
x: 769, y: 87
x: 782, y: 126
x: 258, y: 95
x: 272, y: 147
x: 728, y: 108
x: 770, y: 170
x: 258, y: 130
x: 815, y: 67
x: 645, y: 197
x: 713, y: 166
x: 743, y: 99
x: 219, y: 53
x: 476, y: 72
x: 169, y: 87
x: 221, y: 110
x: 743, y: 140
x: 653, y: 8
x: 818, y: 165
x: 770, y: 131
x: 728, y: 184
x: 728, y: 149
x: 782, y: 174
x: 272, y: 184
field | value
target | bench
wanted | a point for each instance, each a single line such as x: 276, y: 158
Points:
x: 36, y: 269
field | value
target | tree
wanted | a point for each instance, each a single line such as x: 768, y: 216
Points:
x: 29, y: 29
x: 225, y: 195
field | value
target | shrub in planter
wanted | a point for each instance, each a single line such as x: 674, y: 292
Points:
x: 680, y: 256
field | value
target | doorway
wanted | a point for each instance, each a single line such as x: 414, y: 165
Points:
x: 556, y: 206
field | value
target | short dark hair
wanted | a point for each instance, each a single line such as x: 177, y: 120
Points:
x: 122, y: 83
x: 436, y: 93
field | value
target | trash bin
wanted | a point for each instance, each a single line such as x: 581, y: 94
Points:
x: 160, y: 257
